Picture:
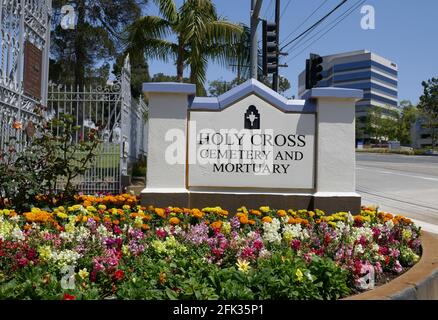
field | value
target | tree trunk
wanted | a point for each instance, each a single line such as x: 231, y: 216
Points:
x: 180, y: 61
x: 79, y: 46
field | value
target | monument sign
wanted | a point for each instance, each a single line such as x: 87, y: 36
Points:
x: 252, y: 147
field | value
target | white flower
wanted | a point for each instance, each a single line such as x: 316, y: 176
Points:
x: 65, y: 257
x: 68, y: 237
x: 389, y: 224
x: 270, y: 231
x: 359, y: 249
x: 15, y: 218
x: 350, y: 219
x: 264, y: 253
x: 82, y: 234
x: 103, y: 231
x: 17, y: 234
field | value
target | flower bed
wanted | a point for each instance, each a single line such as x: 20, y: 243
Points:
x: 109, y: 246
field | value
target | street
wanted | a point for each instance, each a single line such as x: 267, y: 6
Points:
x: 400, y: 184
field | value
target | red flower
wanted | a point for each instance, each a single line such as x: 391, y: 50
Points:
x: 119, y: 274
x: 68, y: 297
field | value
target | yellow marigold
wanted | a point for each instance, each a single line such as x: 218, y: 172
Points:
x: 126, y: 207
x: 160, y: 212
x: 333, y: 224
x: 174, y: 221
x: 223, y: 213
x: 216, y: 224
x: 243, y: 219
x: 242, y: 209
x: 281, y: 213
x: 265, y: 209
x: 267, y: 219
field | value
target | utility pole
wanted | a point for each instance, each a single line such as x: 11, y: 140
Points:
x: 255, y: 11
x: 275, y: 76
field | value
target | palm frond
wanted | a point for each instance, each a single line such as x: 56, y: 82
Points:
x: 168, y: 9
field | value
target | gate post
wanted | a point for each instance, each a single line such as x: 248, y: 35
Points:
x: 336, y: 157
x: 166, y: 161
x: 125, y: 123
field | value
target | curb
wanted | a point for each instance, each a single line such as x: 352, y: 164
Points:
x: 419, y: 283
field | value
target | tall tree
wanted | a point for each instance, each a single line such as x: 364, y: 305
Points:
x: 200, y: 34
x: 139, y: 72
x: 428, y: 107
x: 218, y: 87
x: 405, y: 119
x: 97, y: 36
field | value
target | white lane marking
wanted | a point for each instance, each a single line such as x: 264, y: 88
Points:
x: 398, y: 174
x: 426, y: 226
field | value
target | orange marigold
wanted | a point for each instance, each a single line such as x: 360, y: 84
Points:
x: 197, y: 213
x: 267, y: 219
x: 281, y: 213
x: 160, y: 212
x: 216, y: 224
x: 174, y: 221
x: 244, y: 219
x: 255, y: 212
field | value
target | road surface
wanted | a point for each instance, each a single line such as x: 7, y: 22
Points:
x: 407, y: 185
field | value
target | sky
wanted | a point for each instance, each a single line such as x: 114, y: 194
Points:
x: 406, y: 32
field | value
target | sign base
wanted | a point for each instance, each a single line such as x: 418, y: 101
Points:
x: 328, y: 202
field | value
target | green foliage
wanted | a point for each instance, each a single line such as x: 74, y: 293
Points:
x: 33, y: 169
x: 218, y: 87
x: 199, y: 32
x: 98, y: 35
x: 277, y: 277
x: 428, y: 107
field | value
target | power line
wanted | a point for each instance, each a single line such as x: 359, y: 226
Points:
x: 315, y: 24
x: 305, y: 20
x: 268, y: 8
x: 339, y: 19
x: 285, y: 8
x: 343, y: 16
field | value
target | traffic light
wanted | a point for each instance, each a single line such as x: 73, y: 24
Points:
x: 270, y: 48
x: 313, y: 70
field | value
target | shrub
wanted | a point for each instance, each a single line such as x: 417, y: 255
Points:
x: 32, y: 169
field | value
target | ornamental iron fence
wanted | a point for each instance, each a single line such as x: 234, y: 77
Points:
x: 119, y: 120
x: 24, y: 61
x: 25, y: 92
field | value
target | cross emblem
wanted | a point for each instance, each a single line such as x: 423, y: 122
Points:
x: 252, y: 117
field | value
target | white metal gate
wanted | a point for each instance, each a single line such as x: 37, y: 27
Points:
x: 115, y: 114
x: 24, y: 58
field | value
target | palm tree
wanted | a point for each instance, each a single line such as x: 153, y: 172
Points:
x: 200, y: 34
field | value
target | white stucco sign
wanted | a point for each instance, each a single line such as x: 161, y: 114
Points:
x: 251, y: 144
